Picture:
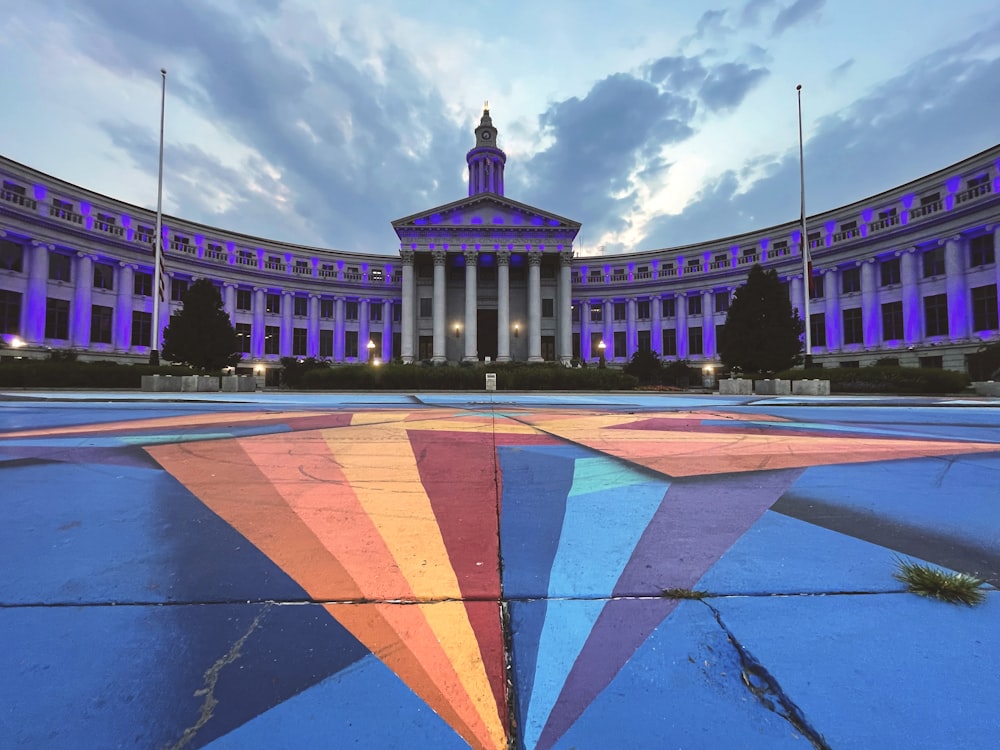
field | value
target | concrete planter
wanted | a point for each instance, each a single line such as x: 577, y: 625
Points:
x: 239, y: 384
x: 199, y: 383
x: 735, y: 387
x: 811, y: 387
x: 987, y: 388
x: 772, y: 387
x: 161, y: 384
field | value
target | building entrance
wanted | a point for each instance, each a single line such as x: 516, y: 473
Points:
x: 486, y: 328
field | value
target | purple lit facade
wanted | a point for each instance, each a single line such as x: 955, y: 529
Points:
x: 910, y: 274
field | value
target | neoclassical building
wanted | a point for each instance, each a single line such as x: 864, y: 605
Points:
x: 907, y: 275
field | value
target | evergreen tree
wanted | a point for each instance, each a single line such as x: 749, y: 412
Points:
x: 201, y: 334
x: 763, y: 332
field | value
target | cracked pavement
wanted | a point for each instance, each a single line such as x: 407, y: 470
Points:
x: 455, y: 570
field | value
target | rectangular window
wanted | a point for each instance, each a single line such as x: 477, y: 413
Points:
x: 575, y: 313
x: 596, y: 313
x: 695, y: 342
x: 722, y: 302
x: 694, y: 305
x: 850, y: 280
x: 142, y: 284
x: 982, y: 251
x: 300, y: 307
x: 272, y: 304
x: 397, y: 312
x: 933, y: 261
x: 645, y: 341
x: 936, y: 315
x: 426, y: 307
x: 818, y: 290
x: 892, y: 321
x: 142, y: 328
x: 11, y: 255
x: 620, y: 350
x: 100, y: 324
x: 104, y: 276
x: 425, y: 348
x: 272, y: 340
x: 548, y: 307
x: 720, y: 331
x: 889, y: 270
x: 817, y: 329
x: 59, y: 267
x: 56, y: 318
x: 669, y: 342
x: 984, y: 308
x: 619, y: 310
x: 243, y: 335
x: 244, y: 300
x: 351, y: 344
x: 642, y: 309
x: 298, y: 342
x: 669, y: 308
x: 548, y: 348
x: 326, y: 343
x: 351, y: 310
x: 10, y: 312
x: 375, y: 275
x: 933, y: 362
x: 178, y: 288
x: 853, y: 330
x: 326, y: 309
x: 375, y: 312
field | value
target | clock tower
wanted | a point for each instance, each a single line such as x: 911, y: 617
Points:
x: 486, y: 161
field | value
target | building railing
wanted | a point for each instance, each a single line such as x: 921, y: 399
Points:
x: 888, y: 221
x: 17, y: 199
x: 974, y: 192
x: 927, y: 209
x: 65, y: 214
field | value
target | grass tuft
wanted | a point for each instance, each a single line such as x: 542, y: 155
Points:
x: 684, y: 594
x: 948, y: 586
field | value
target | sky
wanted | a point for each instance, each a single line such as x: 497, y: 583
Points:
x: 655, y: 123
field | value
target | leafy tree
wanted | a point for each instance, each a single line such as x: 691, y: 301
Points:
x: 645, y: 365
x: 762, y: 332
x: 201, y: 334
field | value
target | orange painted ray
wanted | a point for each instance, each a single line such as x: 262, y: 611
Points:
x: 379, y: 464
x: 224, y: 476
x: 179, y: 422
x: 692, y: 453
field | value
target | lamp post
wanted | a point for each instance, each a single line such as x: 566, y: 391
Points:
x: 371, y: 350
x: 601, y: 346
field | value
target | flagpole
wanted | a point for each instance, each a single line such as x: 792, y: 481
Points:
x: 154, y: 350
x: 804, y: 243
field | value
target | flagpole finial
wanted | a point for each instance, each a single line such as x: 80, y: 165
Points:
x: 799, y: 87
x: 163, y: 71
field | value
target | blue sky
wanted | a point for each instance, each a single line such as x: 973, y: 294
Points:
x: 654, y: 123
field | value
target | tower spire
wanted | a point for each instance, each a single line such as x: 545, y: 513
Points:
x: 486, y: 161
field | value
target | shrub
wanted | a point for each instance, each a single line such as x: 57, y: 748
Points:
x: 911, y: 380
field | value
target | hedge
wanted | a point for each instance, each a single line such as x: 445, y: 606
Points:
x: 883, y: 379
x: 42, y: 373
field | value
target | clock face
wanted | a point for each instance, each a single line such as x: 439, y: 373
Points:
x: 486, y: 135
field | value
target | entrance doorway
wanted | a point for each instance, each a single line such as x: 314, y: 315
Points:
x: 486, y: 329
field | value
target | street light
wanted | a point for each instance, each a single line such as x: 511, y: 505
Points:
x: 371, y: 351
x: 517, y: 330
x: 601, y: 346
x: 458, y: 328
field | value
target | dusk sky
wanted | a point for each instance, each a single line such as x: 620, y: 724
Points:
x: 653, y: 123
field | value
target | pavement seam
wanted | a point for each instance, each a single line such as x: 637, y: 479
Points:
x: 767, y: 690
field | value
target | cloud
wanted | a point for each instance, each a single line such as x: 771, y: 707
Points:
x: 753, y: 10
x: 728, y: 84
x: 795, y: 13
x: 877, y: 143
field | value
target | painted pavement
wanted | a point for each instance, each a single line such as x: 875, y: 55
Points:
x: 453, y: 571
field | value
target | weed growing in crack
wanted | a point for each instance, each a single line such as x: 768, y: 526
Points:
x: 956, y: 588
x: 684, y: 594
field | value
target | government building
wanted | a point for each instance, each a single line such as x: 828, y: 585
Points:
x: 908, y: 276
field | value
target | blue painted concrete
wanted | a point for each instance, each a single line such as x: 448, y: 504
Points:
x: 880, y: 671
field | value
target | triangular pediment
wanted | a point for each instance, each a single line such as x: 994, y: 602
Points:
x: 484, y: 211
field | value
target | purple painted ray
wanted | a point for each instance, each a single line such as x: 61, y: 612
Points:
x: 115, y: 456
x: 699, y: 519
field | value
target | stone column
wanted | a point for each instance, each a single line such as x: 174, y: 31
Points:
x: 870, y: 318
x: 312, y: 329
x: 795, y: 293
x: 439, y: 355
x: 409, y: 313
x: 228, y: 299
x: 656, y: 334
x: 503, y: 306
x: 564, y: 316
x: 36, y: 300
x: 122, y: 335
x: 287, y: 305
x: 607, y: 328
x: 257, y: 332
x: 534, y: 306
x: 631, y: 332
x: 82, y: 302
x: 471, y: 307
x: 364, y: 325
x: 834, y: 325
x: 585, y: 353
x: 338, y: 330
x: 682, y: 329
x: 708, y: 324
x: 957, y: 286
x: 387, y: 330
x: 913, y: 330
